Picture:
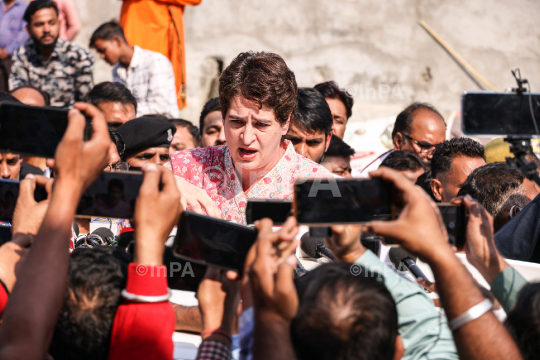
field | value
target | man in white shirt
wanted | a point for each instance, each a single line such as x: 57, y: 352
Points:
x: 147, y: 74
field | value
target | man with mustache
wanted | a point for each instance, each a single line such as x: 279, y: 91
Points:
x: 55, y: 66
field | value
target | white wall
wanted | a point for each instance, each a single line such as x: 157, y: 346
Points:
x: 358, y: 43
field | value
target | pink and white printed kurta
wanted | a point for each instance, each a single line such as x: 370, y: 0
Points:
x: 212, y: 169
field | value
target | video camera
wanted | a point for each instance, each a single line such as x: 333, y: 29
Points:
x: 514, y: 114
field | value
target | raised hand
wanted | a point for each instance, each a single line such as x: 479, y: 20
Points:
x: 29, y: 214
x: 156, y: 212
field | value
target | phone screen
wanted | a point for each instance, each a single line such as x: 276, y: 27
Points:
x: 490, y: 113
x: 33, y: 130
x: 337, y: 201
x: 455, y: 221
x: 276, y: 210
x: 9, y: 193
x: 112, y: 195
x: 211, y: 241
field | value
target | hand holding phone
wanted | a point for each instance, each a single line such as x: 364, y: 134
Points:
x: 156, y: 213
x: 480, y: 245
x: 34, y: 130
x: 419, y: 227
x: 32, y: 204
x: 77, y: 162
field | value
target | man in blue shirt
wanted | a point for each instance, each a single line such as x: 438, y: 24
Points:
x: 12, y: 35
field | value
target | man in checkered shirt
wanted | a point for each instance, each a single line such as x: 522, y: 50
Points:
x: 147, y: 74
x: 57, y: 67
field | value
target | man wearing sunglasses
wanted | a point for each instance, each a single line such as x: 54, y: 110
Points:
x: 418, y: 129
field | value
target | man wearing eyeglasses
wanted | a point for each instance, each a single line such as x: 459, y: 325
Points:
x: 418, y: 129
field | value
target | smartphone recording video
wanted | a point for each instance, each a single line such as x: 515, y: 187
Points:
x: 336, y: 201
x: 33, y: 130
x: 455, y: 220
x: 112, y: 195
x: 276, y: 210
x: 215, y: 242
x: 492, y: 113
x: 9, y: 193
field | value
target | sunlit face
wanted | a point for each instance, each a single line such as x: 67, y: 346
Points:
x: 339, y: 114
x: 338, y: 165
x: 312, y: 145
x: 445, y: 187
x: 29, y: 96
x: 213, y: 134
x: 10, y: 166
x: 427, y: 130
x: 116, y: 113
x: 44, y: 27
x: 109, y: 50
x: 253, y: 136
x: 155, y: 155
x: 182, y: 140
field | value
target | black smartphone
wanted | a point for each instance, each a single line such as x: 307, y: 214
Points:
x: 493, y: 113
x: 33, y: 130
x: 276, y: 210
x: 9, y: 193
x: 337, y: 201
x: 112, y: 195
x: 455, y: 220
x: 215, y: 242
x: 183, y: 274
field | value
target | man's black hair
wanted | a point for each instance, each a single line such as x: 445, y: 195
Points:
x: 46, y: 96
x: 193, y: 130
x: 35, y: 6
x: 405, y: 118
x: 107, y: 31
x: 331, y: 90
x: 116, y: 138
x: 210, y: 106
x: 403, y: 161
x: 424, y: 181
x: 496, y: 186
x: 339, y: 147
x: 96, y: 279
x: 342, y: 316
x: 111, y: 92
x: 447, y: 151
x: 523, y: 321
x: 313, y: 113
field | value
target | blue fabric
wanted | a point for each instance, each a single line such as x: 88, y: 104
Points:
x: 517, y: 239
x: 12, y: 26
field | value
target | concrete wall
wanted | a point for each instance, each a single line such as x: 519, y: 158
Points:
x: 359, y: 43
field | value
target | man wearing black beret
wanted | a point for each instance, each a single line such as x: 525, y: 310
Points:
x: 147, y: 140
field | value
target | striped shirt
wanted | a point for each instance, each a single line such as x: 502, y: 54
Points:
x: 150, y: 78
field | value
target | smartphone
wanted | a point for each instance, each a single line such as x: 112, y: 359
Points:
x: 208, y: 241
x: 183, y: 274
x: 342, y: 201
x: 276, y: 210
x: 9, y: 193
x: 33, y: 130
x: 493, y: 113
x: 455, y: 220
x: 112, y: 195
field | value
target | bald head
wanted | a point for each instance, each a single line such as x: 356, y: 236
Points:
x: 418, y: 129
x: 29, y: 96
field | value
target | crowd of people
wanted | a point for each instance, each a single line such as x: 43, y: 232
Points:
x: 255, y: 141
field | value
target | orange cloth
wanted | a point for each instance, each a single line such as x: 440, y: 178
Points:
x: 159, y: 26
